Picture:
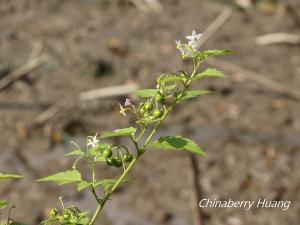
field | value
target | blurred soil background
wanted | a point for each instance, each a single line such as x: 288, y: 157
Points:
x: 250, y: 130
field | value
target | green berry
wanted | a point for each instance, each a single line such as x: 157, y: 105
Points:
x: 117, y: 162
x: 66, y: 216
x: 127, y: 157
x: 109, y: 161
x: 107, y: 153
x: 148, y: 106
x: 157, y: 113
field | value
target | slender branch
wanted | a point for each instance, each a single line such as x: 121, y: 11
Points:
x: 30, y: 66
x: 141, y: 134
x: 95, y: 193
x: 112, y: 190
x: 135, y: 142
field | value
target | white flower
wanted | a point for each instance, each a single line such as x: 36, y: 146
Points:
x: 189, y: 48
x: 93, y: 141
x: 194, y: 40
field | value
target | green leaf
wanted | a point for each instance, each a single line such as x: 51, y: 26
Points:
x: 3, y: 204
x: 69, y: 176
x: 130, y: 131
x: 169, y: 78
x: 200, y: 56
x: 216, y: 52
x: 194, y: 93
x: 83, y: 185
x: 177, y: 143
x: 170, y: 87
x: 146, y: 93
x: 75, y: 152
x: 7, y: 176
x: 105, y: 183
x: 209, y: 73
x: 108, y: 182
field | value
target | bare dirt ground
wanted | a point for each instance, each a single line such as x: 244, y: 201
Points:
x: 251, y: 133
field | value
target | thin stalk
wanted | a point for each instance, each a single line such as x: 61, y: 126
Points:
x: 135, y: 142
x: 112, y: 190
x: 141, y: 134
x: 94, y: 193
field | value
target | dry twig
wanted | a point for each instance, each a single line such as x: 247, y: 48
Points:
x: 215, y: 26
x: 108, y: 92
x: 16, y: 75
x: 148, y: 5
x: 278, y: 38
x: 62, y: 105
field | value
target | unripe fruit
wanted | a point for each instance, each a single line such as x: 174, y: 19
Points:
x: 107, y: 153
x: 148, y: 106
x: 109, y: 161
x: 127, y: 157
x: 66, y: 216
x: 117, y: 162
x: 157, y: 113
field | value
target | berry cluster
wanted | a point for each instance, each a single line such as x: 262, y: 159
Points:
x: 70, y: 215
x: 118, y: 159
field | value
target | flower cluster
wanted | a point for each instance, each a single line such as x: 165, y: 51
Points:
x: 192, y: 46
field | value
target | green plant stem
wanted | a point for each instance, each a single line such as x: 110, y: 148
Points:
x: 141, y: 134
x: 112, y: 190
x: 94, y: 193
x: 135, y: 142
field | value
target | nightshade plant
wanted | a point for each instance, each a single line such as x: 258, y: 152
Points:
x: 171, y: 89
